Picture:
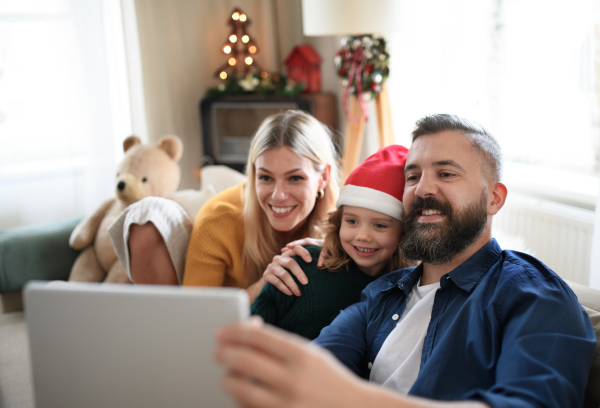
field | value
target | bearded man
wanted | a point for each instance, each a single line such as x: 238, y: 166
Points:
x: 471, y: 323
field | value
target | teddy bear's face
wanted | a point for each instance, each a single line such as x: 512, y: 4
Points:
x: 130, y: 188
x: 149, y: 170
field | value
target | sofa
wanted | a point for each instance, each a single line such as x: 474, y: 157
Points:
x: 42, y: 252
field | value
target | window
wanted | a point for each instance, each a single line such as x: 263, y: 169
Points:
x: 523, y: 68
x: 58, y: 121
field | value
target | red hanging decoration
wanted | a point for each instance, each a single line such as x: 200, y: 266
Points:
x: 362, y: 63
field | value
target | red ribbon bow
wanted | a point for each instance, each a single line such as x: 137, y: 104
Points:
x: 356, y: 70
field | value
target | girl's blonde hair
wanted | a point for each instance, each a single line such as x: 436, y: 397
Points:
x: 338, y: 258
x: 308, y: 138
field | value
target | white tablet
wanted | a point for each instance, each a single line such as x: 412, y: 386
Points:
x: 113, y: 345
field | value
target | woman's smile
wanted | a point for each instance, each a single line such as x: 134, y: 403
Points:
x: 286, y: 187
x: 282, y: 211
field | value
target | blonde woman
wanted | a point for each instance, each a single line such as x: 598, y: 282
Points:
x: 292, y: 185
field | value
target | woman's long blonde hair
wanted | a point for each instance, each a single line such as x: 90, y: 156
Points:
x: 308, y: 138
x: 338, y: 258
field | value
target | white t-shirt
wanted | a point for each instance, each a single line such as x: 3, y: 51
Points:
x: 398, y: 362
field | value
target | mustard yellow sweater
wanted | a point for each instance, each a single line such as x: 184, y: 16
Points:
x: 214, y: 255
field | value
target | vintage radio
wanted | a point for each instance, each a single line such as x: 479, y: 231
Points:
x: 228, y: 123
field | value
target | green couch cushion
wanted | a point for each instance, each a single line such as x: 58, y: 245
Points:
x: 39, y: 252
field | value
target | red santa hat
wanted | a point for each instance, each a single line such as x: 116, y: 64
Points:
x: 378, y: 183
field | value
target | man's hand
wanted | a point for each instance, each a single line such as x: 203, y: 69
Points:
x: 268, y: 367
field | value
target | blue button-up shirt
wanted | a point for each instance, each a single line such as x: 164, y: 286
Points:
x: 504, y: 329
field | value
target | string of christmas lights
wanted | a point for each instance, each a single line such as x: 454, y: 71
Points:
x: 240, y: 49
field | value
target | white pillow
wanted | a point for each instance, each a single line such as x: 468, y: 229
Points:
x: 214, y: 179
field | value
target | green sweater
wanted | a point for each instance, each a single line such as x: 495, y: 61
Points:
x: 325, y: 295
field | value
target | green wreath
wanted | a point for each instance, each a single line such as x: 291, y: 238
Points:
x: 367, y: 55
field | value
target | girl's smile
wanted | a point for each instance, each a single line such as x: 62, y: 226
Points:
x: 366, y: 252
x: 369, y: 237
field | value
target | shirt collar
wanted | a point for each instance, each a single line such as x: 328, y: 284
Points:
x: 465, y: 276
x: 407, y: 280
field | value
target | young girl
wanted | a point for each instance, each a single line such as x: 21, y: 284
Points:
x: 362, y: 238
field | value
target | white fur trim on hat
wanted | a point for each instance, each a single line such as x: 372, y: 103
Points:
x: 371, y: 199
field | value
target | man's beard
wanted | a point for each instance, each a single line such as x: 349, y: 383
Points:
x: 440, y: 243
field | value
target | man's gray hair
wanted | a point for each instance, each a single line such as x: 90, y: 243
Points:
x: 483, y: 141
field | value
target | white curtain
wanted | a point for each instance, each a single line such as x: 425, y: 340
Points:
x: 63, y: 109
x: 545, y: 108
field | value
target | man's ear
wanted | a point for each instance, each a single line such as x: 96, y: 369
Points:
x: 325, y: 175
x: 498, y: 198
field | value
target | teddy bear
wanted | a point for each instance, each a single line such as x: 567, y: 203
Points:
x: 146, y: 170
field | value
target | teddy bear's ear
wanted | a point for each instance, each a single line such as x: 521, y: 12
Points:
x: 172, y: 145
x: 130, y: 142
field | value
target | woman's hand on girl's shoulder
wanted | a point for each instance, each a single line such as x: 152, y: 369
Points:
x: 298, y: 248
x: 277, y: 272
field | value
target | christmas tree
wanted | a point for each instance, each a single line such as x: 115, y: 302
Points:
x: 239, y: 48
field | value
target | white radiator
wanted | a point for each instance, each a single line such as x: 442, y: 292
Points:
x: 558, y: 235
